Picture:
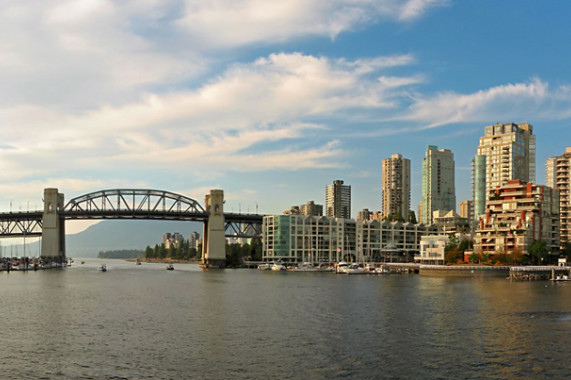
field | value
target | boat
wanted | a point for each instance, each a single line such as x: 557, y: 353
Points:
x: 138, y: 262
x: 103, y: 268
x: 310, y: 267
x: 170, y: 267
x: 83, y: 262
x: 265, y: 266
x: 346, y: 268
x: 561, y: 277
x: 278, y: 267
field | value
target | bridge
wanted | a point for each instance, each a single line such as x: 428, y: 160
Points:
x: 49, y: 223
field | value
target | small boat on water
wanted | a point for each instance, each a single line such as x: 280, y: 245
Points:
x: 346, y: 268
x: 138, y: 262
x: 103, y: 268
x: 278, y: 267
x: 561, y: 277
x: 265, y: 266
x: 170, y: 267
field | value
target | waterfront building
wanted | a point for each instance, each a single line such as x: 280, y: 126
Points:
x: 396, y: 186
x: 506, y: 152
x: 338, y: 200
x: 298, y: 238
x: 562, y: 183
x: 438, y: 190
x: 517, y: 214
x: 432, y: 250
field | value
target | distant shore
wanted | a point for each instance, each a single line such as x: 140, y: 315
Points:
x: 165, y: 261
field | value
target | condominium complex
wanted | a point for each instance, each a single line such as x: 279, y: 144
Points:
x: 517, y: 214
x: 438, y: 191
x: 506, y: 152
x: 396, y: 186
x: 558, y: 176
x: 297, y: 238
x: 338, y: 200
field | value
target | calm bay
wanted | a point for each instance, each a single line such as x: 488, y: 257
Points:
x: 144, y: 322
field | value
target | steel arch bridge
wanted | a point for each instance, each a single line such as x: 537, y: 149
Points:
x: 134, y: 204
x: 129, y: 204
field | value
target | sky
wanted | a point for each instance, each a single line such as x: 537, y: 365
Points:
x: 269, y: 101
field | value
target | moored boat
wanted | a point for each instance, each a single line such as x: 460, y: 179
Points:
x: 278, y: 267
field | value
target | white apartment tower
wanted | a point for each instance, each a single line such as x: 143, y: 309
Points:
x: 438, y: 189
x: 558, y: 177
x: 396, y: 186
x: 338, y: 200
x: 506, y: 152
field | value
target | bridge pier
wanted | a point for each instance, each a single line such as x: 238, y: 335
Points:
x: 53, y: 226
x: 214, y: 236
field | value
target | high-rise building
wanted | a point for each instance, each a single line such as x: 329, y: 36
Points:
x: 562, y: 183
x: 396, y: 186
x: 506, y: 152
x: 338, y: 200
x: 466, y: 210
x: 551, y: 172
x: 438, y: 190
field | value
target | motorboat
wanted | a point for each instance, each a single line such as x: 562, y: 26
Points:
x: 278, y: 267
x: 346, y: 268
x: 138, y: 262
x: 170, y: 267
x: 265, y: 266
x: 562, y: 277
x: 103, y: 268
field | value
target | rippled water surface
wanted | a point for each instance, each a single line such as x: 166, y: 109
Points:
x: 143, y: 322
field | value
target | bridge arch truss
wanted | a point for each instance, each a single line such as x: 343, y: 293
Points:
x: 134, y: 204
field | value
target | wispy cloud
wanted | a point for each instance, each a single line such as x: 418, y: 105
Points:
x: 232, y: 23
x: 533, y: 100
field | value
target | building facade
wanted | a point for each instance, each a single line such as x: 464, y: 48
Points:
x: 432, y: 250
x: 396, y: 186
x: 561, y: 165
x: 338, y: 200
x: 506, y: 152
x: 310, y: 208
x: 438, y: 189
x: 466, y: 209
x: 517, y: 214
x: 298, y: 238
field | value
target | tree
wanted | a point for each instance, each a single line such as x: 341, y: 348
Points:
x: 452, y: 242
x: 412, y: 217
x: 538, y: 251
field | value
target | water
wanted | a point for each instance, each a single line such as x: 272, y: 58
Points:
x: 143, y: 322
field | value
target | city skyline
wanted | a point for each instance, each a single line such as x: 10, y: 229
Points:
x: 269, y: 103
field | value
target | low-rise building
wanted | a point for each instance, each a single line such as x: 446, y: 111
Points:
x: 298, y: 238
x: 432, y: 250
x: 517, y: 214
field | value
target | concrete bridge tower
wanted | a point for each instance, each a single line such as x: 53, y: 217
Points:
x: 53, y: 226
x: 214, y: 236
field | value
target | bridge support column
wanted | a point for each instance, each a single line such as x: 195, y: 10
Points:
x: 214, y: 236
x: 53, y: 226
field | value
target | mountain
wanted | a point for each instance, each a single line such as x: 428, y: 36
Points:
x: 124, y: 234
x: 111, y: 235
